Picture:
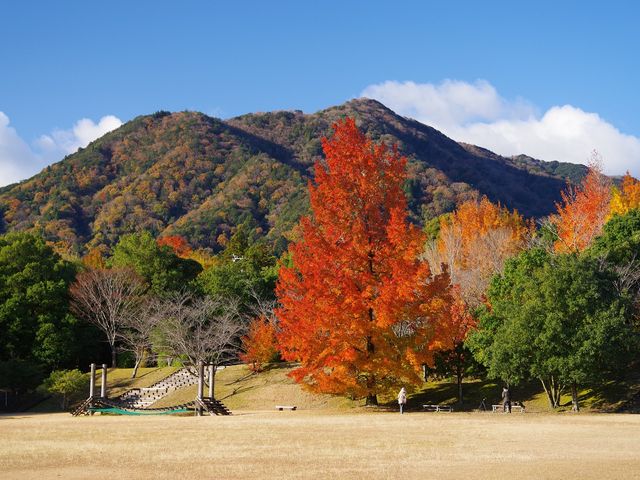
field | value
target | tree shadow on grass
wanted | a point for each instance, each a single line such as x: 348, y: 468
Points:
x: 474, y: 392
x: 238, y: 391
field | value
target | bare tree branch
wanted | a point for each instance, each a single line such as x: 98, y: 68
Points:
x: 108, y: 299
x: 137, y: 332
x: 202, y: 329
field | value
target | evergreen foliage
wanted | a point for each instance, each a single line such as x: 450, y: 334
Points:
x: 35, y: 322
x: 557, y: 318
x: 157, y: 264
x: 66, y: 384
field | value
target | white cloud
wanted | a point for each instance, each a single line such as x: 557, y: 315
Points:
x: 82, y: 133
x: 15, y: 155
x: 476, y: 113
x: 19, y: 160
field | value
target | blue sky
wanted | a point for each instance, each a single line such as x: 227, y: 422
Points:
x: 496, y: 69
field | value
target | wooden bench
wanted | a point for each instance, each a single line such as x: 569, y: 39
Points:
x: 438, y: 408
x: 514, y: 408
x: 286, y: 407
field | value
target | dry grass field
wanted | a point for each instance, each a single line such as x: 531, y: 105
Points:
x: 322, y: 444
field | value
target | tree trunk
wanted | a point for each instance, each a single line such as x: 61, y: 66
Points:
x: 135, y: 367
x: 548, y: 390
x: 575, y: 406
x: 459, y: 386
x: 553, y: 389
x: 113, y: 356
x: 372, y: 400
x: 557, y: 391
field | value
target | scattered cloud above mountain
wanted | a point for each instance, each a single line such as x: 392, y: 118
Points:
x: 15, y: 155
x: 19, y: 160
x: 476, y: 113
x: 82, y: 133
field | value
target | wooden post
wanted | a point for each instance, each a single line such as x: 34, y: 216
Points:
x: 211, y: 372
x: 103, y: 386
x: 92, y: 380
x: 200, y: 386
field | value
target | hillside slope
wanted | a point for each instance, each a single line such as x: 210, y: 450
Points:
x: 239, y: 389
x: 194, y: 175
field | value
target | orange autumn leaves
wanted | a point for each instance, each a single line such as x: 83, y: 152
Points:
x: 474, y: 242
x: 363, y: 305
x: 359, y: 311
x: 583, y: 212
x: 259, y: 344
x: 625, y: 198
x: 587, y: 207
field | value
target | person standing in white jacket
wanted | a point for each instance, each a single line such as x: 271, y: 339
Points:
x: 402, y: 399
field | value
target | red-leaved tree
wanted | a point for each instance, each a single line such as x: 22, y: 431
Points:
x: 358, y: 310
x: 177, y: 243
x: 259, y: 344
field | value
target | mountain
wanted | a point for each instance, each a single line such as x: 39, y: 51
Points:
x: 190, y: 174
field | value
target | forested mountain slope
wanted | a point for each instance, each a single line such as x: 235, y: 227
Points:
x: 190, y: 174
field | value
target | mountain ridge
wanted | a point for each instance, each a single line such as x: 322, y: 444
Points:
x: 190, y: 174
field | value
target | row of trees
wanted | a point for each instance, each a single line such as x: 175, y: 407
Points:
x: 148, y: 299
x: 365, y: 300
x: 565, y: 310
x: 364, y: 306
x: 152, y: 299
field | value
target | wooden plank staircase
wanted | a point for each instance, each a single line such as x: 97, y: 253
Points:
x: 213, y: 406
x: 83, y: 408
x: 142, y: 398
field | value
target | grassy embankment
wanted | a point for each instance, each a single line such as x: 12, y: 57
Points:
x: 241, y: 390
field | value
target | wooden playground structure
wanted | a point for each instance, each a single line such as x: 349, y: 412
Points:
x: 102, y: 404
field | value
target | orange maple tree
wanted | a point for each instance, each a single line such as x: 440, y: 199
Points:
x: 474, y: 242
x: 583, y: 211
x: 625, y: 198
x: 358, y: 310
x: 259, y: 344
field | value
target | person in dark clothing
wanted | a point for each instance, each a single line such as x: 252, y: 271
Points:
x: 506, y: 399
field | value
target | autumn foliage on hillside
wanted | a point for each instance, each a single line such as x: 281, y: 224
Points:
x: 474, y: 242
x: 358, y: 310
x: 177, y: 243
x: 583, y: 211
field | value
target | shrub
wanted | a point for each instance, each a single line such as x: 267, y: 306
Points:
x: 66, y: 384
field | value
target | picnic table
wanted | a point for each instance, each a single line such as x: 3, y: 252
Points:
x: 514, y: 408
x: 438, y: 408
